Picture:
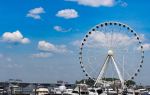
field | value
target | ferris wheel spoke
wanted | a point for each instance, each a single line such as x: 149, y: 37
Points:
x: 89, y: 64
x: 102, y: 71
x: 107, y: 39
x: 122, y: 67
x: 112, y: 37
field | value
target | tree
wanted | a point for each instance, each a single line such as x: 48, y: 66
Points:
x: 110, y: 79
x: 130, y: 83
x: 89, y: 82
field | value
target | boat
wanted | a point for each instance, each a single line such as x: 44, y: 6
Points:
x: 61, y: 90
x: 41, y: 91
x: 81, y: 89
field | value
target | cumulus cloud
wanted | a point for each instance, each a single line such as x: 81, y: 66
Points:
x: 146, y: 47
x: 41, y: 55
x: 101, y: 39
x: 77, y: 43
x: 95, y: 3
x: 35, y: 13
x: 60, y: 29
x: 118, y: 39
x: 14, y: 37
x: 49, y: 47
x: 67, y: 13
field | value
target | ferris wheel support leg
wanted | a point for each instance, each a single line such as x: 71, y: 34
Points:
x: 103, y: 69
x: 118, y: 72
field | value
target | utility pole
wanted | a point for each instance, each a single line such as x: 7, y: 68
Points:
x: 79, y: 90
x: 35, y: 89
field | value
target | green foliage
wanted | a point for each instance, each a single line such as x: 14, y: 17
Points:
x: 110, y: 79
x: 89, y: 82
x: 130, y: 82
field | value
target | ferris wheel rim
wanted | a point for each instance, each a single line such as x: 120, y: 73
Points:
x: 93, y: 29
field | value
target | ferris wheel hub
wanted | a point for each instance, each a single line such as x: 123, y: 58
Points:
x: 110, y: 52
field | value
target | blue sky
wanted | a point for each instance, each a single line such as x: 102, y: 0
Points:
x: 44, y: 50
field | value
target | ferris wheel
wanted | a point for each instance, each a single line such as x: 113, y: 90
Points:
x: 111, y: 49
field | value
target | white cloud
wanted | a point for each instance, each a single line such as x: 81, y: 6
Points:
x: 41, y: 55
x: 67, y: 13
x: 60, y: 29
x: 100, y: 39
x: 104, y: 39
x: 77, y: 43
x: 14, y: 37
x: 146, y: 47
x: 35, y: 13
x: 49, y: 47
x: 9, y: 59
x: 123, y: 4
x: 95, y: 3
